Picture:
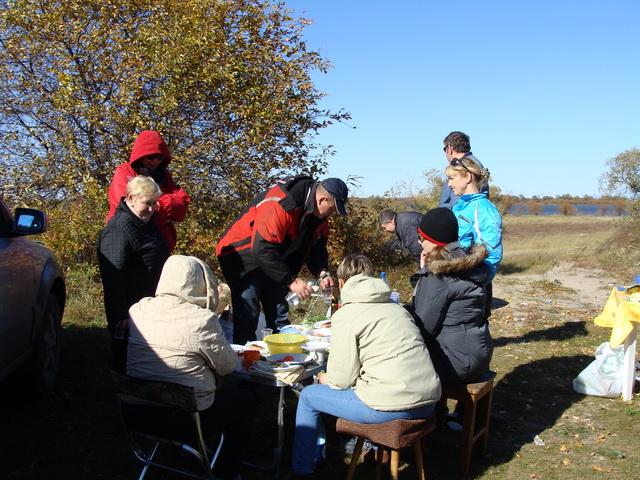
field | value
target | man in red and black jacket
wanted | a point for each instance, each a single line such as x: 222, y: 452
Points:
x: 263, y: 251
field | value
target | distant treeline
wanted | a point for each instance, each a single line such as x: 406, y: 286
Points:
x: 565, y: 205
x: 521, y: 205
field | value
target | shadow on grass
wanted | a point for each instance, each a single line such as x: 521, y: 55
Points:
x: 561, y: 332
x: 509, y: 268
x: 528, y: 401
x: 497, y: 303
x: 73, y: 431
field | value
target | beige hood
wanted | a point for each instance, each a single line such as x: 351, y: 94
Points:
x: 182, y: 277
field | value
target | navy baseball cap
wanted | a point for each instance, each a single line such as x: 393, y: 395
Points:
x: 339, y: 191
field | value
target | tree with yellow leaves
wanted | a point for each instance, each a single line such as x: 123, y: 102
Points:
x: 226, y: 82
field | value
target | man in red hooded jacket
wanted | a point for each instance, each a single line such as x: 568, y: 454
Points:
x: 150, y: 156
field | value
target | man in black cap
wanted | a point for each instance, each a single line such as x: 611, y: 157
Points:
x: 263, y: 251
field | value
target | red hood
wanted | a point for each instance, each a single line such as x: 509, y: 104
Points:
x: 149, y: 142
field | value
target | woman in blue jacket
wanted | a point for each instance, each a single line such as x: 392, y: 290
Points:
x: 479, y: 222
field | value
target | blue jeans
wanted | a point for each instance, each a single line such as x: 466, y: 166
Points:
x: 247, y: 295
x: 317, y: 399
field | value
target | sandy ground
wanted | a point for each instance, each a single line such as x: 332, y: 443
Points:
x: 565, y: 285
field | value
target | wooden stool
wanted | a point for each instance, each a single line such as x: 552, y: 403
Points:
x: 475, y: 399
x: 392, y: 436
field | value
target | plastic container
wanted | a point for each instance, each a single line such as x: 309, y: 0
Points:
x: 383, y: 277
x: 394, y: 296
x: 292, y: 298
x: 285, y: 342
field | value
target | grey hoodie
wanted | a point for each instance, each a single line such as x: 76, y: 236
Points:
x: 377, y: 350
x: 175, y: 336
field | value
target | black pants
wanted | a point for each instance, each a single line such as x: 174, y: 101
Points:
x: 119, y: 354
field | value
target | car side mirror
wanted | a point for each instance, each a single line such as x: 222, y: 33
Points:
x: 29, y: 221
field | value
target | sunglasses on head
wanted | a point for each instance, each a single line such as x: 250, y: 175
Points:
x: 457, y: 162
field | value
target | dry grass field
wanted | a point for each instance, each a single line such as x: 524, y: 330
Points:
x: 556, y: 274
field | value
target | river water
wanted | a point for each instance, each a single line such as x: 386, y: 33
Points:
x: 554, y: 209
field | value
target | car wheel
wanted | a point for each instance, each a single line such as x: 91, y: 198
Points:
x: 46, y: 355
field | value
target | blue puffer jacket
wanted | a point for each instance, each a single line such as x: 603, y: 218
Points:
x: 479, y: 222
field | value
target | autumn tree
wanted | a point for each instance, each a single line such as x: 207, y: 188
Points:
x: 623, y: 174
x: 535, y: 207
x: 502, y: 201
x: 419, y: 194
x: 226, y: 82
x: 567, y: 208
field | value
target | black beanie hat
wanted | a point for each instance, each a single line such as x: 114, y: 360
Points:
x: 439, y: 226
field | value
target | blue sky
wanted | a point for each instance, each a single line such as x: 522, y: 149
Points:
x: 548, y: 90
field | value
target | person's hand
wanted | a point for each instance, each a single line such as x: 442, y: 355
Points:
x: 322, y: 378
x: 326, y: 282
x: 423, y: 259
x: 301, y: 288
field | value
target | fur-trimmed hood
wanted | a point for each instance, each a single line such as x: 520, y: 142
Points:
x: 459, y: 261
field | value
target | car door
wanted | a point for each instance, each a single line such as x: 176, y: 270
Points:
x: 17, y: 283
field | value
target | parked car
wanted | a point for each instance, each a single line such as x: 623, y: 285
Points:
x: 32, y: 299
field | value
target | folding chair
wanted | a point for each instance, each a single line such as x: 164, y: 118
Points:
x: 146, y: 444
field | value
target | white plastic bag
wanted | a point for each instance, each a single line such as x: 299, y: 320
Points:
x: 603, y: 376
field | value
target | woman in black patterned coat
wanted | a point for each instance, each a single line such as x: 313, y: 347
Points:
x: 131, y: 253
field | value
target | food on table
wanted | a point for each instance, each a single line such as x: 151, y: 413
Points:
x: 322, y: 324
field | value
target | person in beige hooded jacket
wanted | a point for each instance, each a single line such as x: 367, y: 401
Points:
x: 379, y: 368
x: 175, y: 337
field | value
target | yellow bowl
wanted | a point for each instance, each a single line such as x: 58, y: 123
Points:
x: 285, y: 342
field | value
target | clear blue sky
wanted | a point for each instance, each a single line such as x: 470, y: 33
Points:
x: 547, y: 89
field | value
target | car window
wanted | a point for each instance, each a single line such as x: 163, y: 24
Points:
x: 6, y: 221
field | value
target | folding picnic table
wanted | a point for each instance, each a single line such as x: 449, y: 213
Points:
x: 309, y: 371
x: 622, y: 316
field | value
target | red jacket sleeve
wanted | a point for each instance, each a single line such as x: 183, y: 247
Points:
x: 117, y: 189
x: 173, y: 203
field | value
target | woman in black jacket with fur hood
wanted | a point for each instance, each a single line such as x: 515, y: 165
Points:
x: 449, y: 300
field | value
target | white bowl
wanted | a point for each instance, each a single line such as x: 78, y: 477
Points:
x: 293, y: 329
x: 315, y: 346
x: 321, y: 333
x: 322, y: 324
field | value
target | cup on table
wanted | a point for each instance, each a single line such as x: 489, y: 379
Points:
x: 265, y: 332
x: 327, y: 295
x: 249, y: 357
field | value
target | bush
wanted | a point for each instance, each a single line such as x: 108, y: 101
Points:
x: 84, y: 297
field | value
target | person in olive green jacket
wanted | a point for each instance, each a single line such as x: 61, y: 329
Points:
x: 379, y: 368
